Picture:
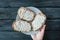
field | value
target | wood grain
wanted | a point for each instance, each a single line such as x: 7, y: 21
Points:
x: 8, y: 12
x: 18, y: 3
x: 13, y: 36
x: 49, y: 35
x: 11, y: 13
x: 52, y: 35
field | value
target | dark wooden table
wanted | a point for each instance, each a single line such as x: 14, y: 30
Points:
x: 8, y: 12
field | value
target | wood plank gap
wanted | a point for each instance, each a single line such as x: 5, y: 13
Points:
x: 36, y: 6
x: 17, y: 31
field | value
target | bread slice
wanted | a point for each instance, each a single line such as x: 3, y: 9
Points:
x: 38, y: 21
x: 25, y: 13
x: 22, y: 26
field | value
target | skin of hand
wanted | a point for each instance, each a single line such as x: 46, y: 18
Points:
x: 39, y: 35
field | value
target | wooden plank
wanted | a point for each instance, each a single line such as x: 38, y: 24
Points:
x: 10, y: 13
x: 28, y: 0
x: 10, y: 4
x: 6, y: 25
x: 52, y: 35
x: 51, y: 25
x: 38, y: 4
x: 13, y: 36
x: 15, y: 3
x: 51, y: 12
x: 49, y: 35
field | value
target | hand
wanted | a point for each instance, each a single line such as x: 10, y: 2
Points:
x: 39, y: 35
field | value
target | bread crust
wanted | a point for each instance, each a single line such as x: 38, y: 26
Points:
x: 14, y: 26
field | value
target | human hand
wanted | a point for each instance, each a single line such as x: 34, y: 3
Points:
x: 39, y: 35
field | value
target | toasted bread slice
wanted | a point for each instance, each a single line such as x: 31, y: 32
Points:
x: 26, y: 14
x: 21, y: 26
x: 38, y: 21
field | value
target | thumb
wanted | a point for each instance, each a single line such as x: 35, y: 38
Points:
x: 43, y: 29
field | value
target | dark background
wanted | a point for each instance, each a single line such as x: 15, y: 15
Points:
x: 8, y: 12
